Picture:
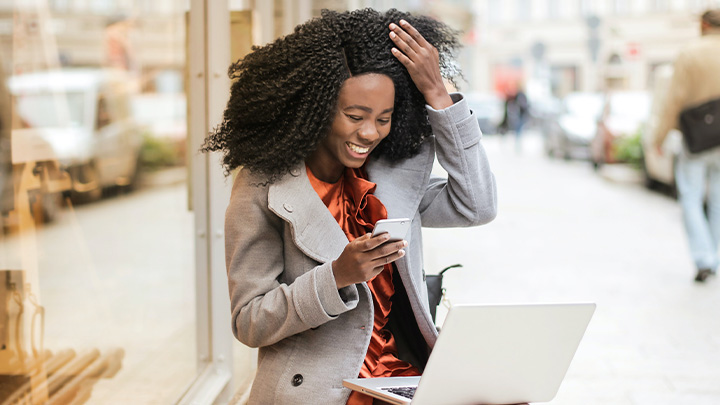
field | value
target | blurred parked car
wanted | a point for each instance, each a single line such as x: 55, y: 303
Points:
x: 488, y: 108
x: 660, y: 168
x: 570, y: 134
x: 78, y: 119
x: 163, y: 118
x: 544, y: 111
x: 623, y: 115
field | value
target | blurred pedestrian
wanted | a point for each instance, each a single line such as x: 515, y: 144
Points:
x: 516, y: 114
x: 695, y: 81
x: 336, y: 126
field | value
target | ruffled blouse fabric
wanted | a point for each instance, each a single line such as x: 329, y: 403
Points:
x: 351, y: 202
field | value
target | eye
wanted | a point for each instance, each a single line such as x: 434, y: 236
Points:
x: 384, y: 121
x: 354, y: 117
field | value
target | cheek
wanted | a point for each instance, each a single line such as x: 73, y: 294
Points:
x: 384, y: 132
x: 344, y: 127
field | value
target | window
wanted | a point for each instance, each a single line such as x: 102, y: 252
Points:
x: 495, y: 11
x: 621, y: 7
x: 586, y: 8
x: 660, y: 5
x: 524, y: 10
x: 97, y: 259
x: 553, y: 9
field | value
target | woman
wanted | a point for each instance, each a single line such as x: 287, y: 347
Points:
x: 336, y: 126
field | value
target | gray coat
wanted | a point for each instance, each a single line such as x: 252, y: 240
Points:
x: 281, y: 241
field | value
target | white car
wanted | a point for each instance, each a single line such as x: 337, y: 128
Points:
x: 489, y: 109
x: 80, y: 120
x: 623, y: 115
x: 570, y: 134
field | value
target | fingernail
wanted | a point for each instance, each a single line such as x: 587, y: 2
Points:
x: 401, y: 253
x: 405, y: 243
x: 393, y: 26
x: 403, y: 22
x: 392, y: 35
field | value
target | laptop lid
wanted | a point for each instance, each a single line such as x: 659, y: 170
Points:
x: 500, y: 354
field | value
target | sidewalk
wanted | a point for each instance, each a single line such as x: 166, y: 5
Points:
x: 565, y: 233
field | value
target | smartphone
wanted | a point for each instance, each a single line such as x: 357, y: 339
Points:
x: 397, y: 228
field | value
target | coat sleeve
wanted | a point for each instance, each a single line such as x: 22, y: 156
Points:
x: 468, y: 195
x: 266, y: 307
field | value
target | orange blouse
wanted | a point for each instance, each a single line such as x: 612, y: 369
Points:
x: 355, y: 208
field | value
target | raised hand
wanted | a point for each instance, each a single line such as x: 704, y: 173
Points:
x: 422, y: 61
x: 363, y: 258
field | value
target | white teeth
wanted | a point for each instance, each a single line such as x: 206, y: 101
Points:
x: 357, y: 149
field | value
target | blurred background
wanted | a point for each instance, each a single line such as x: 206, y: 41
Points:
x: 112, y: 275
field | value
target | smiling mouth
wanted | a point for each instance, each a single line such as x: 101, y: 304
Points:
x: 358, y: 149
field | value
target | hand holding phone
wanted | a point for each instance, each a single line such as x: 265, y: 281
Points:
x: 396, y: 228
x: 363, y: 258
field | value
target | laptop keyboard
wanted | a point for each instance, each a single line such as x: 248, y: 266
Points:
x: 407, y: 392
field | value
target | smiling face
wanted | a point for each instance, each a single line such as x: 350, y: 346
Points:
x: 361, y: 121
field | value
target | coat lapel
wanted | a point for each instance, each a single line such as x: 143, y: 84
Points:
x: 315, y: 231
x: 400, y: 185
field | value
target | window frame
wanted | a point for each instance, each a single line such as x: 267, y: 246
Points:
x: 208, y: 55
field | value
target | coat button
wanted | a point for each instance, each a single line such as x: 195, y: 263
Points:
x: 288, y: 207
x: 297, y: 380
x: 295, y: 172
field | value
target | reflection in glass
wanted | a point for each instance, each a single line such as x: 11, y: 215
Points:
x: 42, y: 110
x: 96, y: 242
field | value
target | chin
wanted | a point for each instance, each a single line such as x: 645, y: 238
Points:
x: 355, y: 164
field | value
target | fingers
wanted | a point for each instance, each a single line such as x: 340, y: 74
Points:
x: 382, y: 261
x: 407, y: 37
x: 414, y: 34
x: 368, y: 242
x: 378, y: 247
x: 401, y: 57
x: 359, y: 263
x: 416, y: 54
x: 403, y: 41
x: 389, y: 249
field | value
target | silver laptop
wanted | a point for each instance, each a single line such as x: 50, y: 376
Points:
x: 492, y: 354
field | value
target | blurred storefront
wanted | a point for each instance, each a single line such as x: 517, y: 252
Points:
x: 112, y: 284
x: 579, y: 45
x: 112, y: 272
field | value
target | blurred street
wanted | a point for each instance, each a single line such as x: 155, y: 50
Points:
x: 566, y: 233
x: 112, y: 292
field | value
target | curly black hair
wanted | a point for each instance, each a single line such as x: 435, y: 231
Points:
x: 284, y: 94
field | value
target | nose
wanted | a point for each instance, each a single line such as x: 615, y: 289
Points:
x: 368, y: 133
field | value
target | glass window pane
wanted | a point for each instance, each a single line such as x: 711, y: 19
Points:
x: 97, y: 269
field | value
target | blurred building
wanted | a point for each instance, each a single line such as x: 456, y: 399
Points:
x: 552, y: 47
x: 42, y: 35
x: 578, y: 45
x: 132, y: 279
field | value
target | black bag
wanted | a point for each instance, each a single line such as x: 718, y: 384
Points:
x: 700, y: 126
x: 435, y: 289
